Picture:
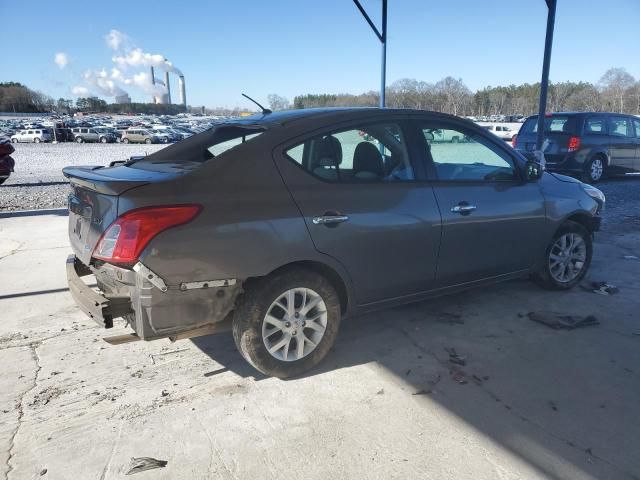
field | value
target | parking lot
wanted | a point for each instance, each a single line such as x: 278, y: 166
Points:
x: 529, y: 402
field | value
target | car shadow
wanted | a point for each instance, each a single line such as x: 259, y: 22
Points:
x: 543, y: 394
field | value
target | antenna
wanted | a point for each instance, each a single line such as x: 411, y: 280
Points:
x: 265, y: 111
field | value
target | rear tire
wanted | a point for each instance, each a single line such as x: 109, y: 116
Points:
x: 148, y: 141
x: 14, y: 140
x: 103, y: 140
x: 263, y: 317
x: 571, y: 262
x: 126, y: 140
x: 2, y: 180
x: 595, y: 170
x: 36, y: 140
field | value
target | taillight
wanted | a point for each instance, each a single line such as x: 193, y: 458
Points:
x: 574, y: 144
x: 125, y: 238
x: 514, y: 141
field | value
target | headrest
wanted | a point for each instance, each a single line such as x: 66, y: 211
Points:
x: 367, y: 158
x: 328, y: 152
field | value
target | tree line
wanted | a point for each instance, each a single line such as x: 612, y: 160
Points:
x: 616, y: 91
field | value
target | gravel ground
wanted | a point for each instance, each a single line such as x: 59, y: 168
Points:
x: 38, y: 181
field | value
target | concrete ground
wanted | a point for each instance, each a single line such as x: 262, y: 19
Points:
x: 531, y: 402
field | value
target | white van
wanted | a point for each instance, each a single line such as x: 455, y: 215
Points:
x: 31, y: 136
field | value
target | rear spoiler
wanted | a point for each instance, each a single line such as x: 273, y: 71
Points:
x: 95, y: 178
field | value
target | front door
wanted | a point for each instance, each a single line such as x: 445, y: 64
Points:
x: 493, y: 223
x: 357, y: 190
x: 636, y: 162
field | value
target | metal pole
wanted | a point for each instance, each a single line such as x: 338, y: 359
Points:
x: 544, y: 83
x: 382, y: 36
x: 383, y: 73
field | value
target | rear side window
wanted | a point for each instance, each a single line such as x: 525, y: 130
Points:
x: 232, y: 138
x: 636, y: 124
x: 367, y: 153
x: 595, y: 125
x: 552, y: 124
x: 619, y: 127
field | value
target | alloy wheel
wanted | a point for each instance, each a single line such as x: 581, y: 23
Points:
x: 294, y: 324
x: 567, y: 257
x: 597, y: 168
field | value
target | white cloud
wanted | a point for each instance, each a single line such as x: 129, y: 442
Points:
x: 116, y: 39
x: 99, y: 80
x: 80, y: 91
x: 138, y: 58
x: 61, y: 59
x: 142, y: 80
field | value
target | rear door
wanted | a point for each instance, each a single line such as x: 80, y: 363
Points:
x: 493, y: 223
x: 364, y: 205
x: 622, y: 144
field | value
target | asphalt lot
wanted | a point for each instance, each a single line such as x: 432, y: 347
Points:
x: 531, y: 402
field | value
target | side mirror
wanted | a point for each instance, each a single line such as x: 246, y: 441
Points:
x: 533, y: 171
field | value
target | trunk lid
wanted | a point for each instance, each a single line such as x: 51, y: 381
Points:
x: 93, y: 201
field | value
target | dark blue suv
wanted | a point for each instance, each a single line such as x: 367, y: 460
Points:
x: 589, y: 145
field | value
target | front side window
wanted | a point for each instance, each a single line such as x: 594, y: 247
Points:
x: 368, y: 153
x: 467, y: 158
x: 619, y: 127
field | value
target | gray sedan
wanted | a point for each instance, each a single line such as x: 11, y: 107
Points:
x: 285, y: 223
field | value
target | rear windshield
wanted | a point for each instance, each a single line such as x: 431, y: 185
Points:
x: 552, y: 124
x: 204, y: 146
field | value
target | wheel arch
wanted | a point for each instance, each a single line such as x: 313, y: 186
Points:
x: 323, y: 269
x: 581, y: 218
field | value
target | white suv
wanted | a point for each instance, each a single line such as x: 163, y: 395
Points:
x: 32, y: 136
x: 500, y: 131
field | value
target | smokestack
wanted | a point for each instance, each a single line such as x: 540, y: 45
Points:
x: 183, y: 91
x: 153, y: 82
x: 166, y: 82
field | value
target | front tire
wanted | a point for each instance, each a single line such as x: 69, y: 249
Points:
x: 79, y: 140
x: 567, y: 258
x: 285, y: 324
x: 148, y: 141
x: 126, y: 140
x: 103, y: 139
x: 594, y: 170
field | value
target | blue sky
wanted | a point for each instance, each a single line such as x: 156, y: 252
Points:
x: 292, y: 47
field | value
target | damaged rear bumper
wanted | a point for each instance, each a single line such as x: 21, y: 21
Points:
x: 101, y: 308
x: 152, y: 307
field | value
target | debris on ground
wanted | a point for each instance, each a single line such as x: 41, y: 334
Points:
x: 380, y: 392
x: 455, y: 358
x: 45, y: 396
x: 164, y: 393
x: 553, y: 406
x: 458, y: 376
x: 43, y: 472
x: 141, y: 464
x: 561, y: 321
x: 601, y: 288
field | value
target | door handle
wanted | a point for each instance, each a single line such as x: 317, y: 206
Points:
x: 330, y: 219
x: 463, y: 208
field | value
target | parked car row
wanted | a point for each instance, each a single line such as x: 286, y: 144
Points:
x: 103, y: 129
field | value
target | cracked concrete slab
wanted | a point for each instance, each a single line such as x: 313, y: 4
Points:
x: 530, y: 402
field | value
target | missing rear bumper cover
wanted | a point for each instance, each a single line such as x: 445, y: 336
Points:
x: 158, y: 282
